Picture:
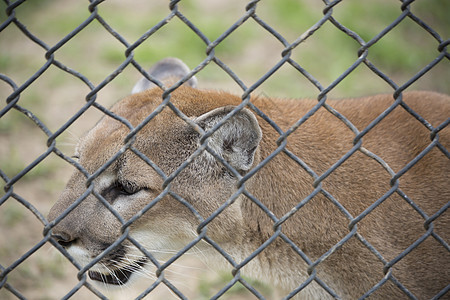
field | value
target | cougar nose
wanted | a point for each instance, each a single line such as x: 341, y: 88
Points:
x: 63, y: 239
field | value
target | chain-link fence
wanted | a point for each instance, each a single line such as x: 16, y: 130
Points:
x: 33, y: 154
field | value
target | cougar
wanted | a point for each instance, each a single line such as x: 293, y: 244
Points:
x: 241, y: 179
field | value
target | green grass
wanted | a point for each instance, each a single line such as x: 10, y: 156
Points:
x: 12, y: 214
x: 325, y: 55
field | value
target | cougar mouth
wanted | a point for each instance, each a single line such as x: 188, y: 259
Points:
x: 118, y: 276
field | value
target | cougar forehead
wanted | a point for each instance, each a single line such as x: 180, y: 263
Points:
x: 108, y: 136
x: 162, y: 136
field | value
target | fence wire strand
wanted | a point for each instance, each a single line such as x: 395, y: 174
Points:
x: 251, y: 13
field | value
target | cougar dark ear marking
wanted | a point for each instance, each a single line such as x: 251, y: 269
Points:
x: 236, y: 140
x: 168, y: 71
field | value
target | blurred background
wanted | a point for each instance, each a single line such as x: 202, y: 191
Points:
x: 250, y: 51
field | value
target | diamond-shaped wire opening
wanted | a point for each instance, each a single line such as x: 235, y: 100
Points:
x: 428, y: 224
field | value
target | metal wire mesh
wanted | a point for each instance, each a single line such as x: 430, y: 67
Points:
x: 250, y: 13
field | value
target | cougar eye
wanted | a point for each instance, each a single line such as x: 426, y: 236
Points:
x: 122, y: 188
x: 127, y: 188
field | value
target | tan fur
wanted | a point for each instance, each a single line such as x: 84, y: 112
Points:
x: 280, y: 185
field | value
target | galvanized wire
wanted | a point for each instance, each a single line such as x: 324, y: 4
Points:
x: 251, y: 12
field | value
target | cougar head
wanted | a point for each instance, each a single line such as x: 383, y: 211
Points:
x: 153, y: 190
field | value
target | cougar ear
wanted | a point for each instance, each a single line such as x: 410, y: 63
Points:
x: 168, y: 71
x: 237, y: 139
